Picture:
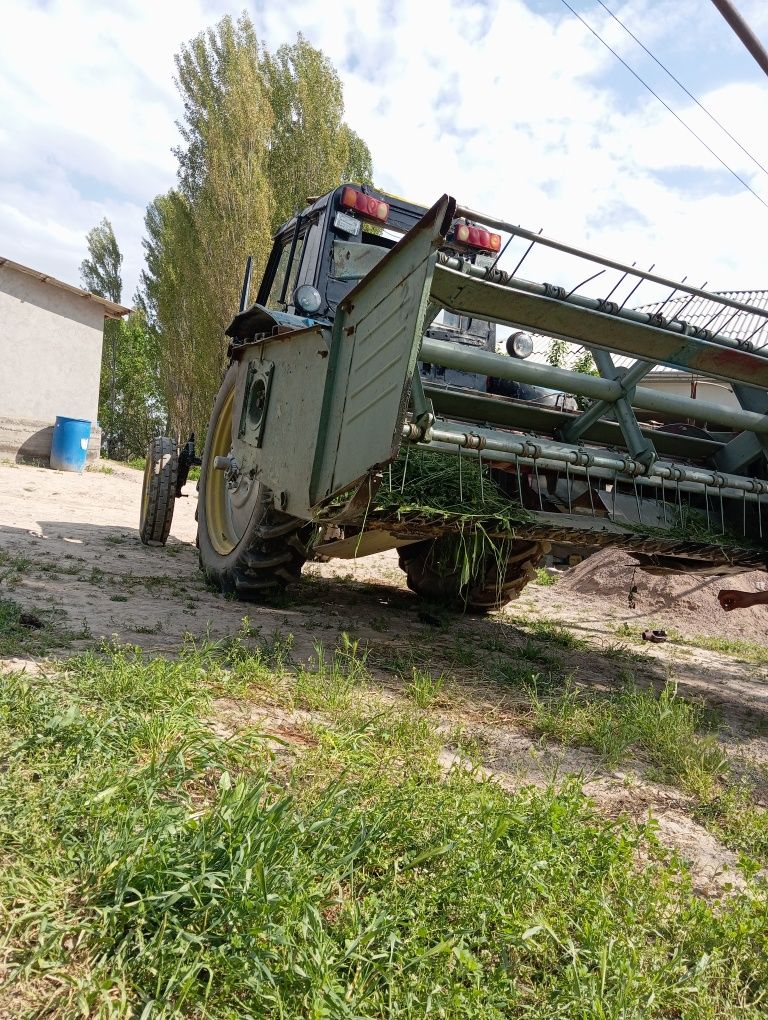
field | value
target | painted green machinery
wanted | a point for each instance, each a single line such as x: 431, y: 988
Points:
x: 341, y: 367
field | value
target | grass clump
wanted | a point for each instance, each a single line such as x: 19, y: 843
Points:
x: 739, y: 824
x: 663, y: 730
x: 449, y: 488
x: 751, y: 651
x: 424, y: 688
x: 544, y: 578
x: 23, y: 632
x: 554, y: 633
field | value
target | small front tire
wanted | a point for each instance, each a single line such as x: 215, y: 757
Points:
x: 158, y: 491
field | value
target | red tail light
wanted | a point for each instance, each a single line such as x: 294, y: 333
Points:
x: 476, y: 237
x: 368, y: 206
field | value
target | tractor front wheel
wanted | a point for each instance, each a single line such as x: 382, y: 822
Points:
x: 158, y: 492
x: 444, y: 571
x: 247, y: 548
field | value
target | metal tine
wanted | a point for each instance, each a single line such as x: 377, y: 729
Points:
x: 617, y: 285
x: 680, y: 311
x: 722, y: 513
x: 720, y: 312
x: 568, y: 485
x: 669, y: 297
x: 538, y: 482
x: 613, y: 496
x: 584, y: 282
x: 639, y: 282
x: 589, y: 490
x: 480, y: 459
x: 744, y: 514
x: 637, y: 500
x: 405, y: 466
x: 754, y: 331
x: 663, y: 501
x: 526, y: 253
x: 461, y: 488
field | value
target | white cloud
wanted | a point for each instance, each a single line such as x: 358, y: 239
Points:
x: 516, y: 111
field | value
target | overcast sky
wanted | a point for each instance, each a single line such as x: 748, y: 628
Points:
x: 511, y: 106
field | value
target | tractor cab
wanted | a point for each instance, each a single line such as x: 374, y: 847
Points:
x: 319, y: 255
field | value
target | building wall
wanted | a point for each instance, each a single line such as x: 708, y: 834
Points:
x: 679, y: 385
x: 50, y: 353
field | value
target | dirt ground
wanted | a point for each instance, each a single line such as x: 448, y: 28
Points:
x: 71, y: 546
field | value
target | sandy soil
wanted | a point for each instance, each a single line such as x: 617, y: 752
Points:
x: 74, y: 541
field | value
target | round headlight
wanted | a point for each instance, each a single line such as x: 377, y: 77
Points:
x: 519, y: 345
x: 307, y: 299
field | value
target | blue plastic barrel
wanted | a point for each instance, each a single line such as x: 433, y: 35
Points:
x: 69, y: 446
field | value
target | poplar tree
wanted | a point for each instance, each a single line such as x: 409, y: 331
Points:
x: 260, y: 133
x: 130, y: 407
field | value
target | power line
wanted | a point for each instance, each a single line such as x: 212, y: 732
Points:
x: 680, y: 84
x: 666, y: 105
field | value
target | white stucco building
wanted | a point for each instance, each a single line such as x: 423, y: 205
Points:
x: 50, y: 359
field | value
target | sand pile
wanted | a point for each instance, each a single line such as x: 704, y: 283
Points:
x: 686, y: 603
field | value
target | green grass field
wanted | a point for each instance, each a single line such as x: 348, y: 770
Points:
x: 152, y: 868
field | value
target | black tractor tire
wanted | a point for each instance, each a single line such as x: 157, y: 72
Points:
x: 256, y: 552
x: 158, y: 491
x: 434, y: 574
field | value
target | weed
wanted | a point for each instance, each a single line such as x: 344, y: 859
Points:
x: 423, y: 688
x: 329, y: 685
x: 748, y: 650
x: 662, y: 729
x: 533, y: 652
x: 145, y: 628
x: 555, y: 633
x: 13, y: 567
x: 29, y: 633
x: 544, y: 577
x: 734, y: 818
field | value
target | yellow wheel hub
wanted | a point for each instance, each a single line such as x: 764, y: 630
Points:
x: 229, y: 496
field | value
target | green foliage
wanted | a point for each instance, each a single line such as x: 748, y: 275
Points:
x: 661, y: 729
x: 734, y: 818
x: 100, y: 272
x: 424, y: 688
x: 312, y: 149
x: 557, y: 355
x: 23, y: 632
x: 152, y: 868
x: 131, y: 410
x: 557, y: 352
x: 260, y: 133
x: 544, y: 578
x: 132, y: 413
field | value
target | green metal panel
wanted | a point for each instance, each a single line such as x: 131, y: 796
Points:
x: 376, y: 336
x: 279, y: 447
x: 463, y: 293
